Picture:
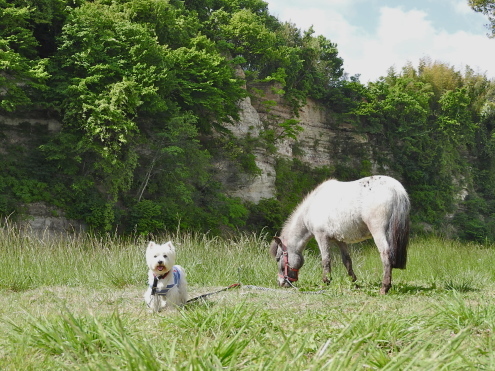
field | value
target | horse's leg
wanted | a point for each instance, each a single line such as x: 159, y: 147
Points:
x: 384, y: 249
x: 322, y: 241
x: 346, y: 259
x: 387, y: 273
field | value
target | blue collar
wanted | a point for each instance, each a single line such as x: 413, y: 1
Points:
x: 167, y: 288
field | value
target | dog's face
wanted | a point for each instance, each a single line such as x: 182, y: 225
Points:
x: 160, y: 258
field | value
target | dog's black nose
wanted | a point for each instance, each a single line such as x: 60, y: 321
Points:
x: 160, y: 261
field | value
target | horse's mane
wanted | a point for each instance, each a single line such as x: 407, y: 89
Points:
x: 297, y: 209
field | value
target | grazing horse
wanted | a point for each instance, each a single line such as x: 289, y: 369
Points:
x: 346, y: 212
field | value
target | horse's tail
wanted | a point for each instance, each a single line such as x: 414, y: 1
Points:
x: 398, y: 230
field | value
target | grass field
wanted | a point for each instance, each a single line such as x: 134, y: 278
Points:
x: 76, y: 303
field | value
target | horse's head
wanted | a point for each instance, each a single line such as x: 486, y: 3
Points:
x: 288, y: 262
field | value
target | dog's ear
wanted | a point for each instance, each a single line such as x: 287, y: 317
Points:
x: 151, y: 244
x: 170, y: 245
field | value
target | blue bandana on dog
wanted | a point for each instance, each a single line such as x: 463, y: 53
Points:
x: 167, y: 288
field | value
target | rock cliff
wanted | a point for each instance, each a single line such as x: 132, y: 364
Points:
x: 320, y: 143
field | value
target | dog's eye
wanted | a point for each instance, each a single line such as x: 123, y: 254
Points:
x: 155, y: 256
x: 165, y: 256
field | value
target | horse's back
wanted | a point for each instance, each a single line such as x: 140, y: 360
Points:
x: 381, y: 196
x: 348, y: 210
x: 358, y: 194
x: 380, y: 190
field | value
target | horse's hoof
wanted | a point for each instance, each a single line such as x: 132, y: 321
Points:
x: 384, y: 290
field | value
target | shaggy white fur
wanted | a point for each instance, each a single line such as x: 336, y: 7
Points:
x: 347, y: 212
x: 167, y: 281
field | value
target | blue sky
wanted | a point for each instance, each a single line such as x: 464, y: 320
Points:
x: 374, y: 35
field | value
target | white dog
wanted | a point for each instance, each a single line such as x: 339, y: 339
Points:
x: 167, y: 281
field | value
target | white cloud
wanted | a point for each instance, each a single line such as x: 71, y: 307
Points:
x: 396, y: 41
x: 462, y: 48
x: 323, y: 22
x: 408, y: 36
x: 398, y: 27
x: 462, y: 7
x: 399, y: 36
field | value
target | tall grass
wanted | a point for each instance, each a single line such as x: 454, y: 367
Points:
x: 31, y: 261
x: 75, y: 302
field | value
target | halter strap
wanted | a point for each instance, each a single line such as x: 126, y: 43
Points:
x: 287, y: 267
x: 167, y: 288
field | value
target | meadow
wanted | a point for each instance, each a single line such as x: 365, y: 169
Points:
x: 76, y: 302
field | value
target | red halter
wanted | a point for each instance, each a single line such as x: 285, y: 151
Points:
x: 287, y: 267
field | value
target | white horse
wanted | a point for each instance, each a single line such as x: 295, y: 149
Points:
x: 347, y: 212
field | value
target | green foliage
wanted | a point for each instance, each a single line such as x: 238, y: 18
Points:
x: 143, y: 90
x: 248, y: 36
x: 146, y: 217
x: 487, y: 7
x: 170, y: 22
x: 304, y: 65
x: 455, y: 118
x: 426, y: 120
x: 126, y: 87
x: 473, y: 221
x: 353, y: 171
x: 290, y: 128
x: 26, y: 177
x: 23, y: 74
x: 136, y: 83
x: 206, y: 85
x: 268, y: 214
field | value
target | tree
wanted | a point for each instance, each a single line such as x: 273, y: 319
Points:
x: 126, y: 87
x: 22, y: 73
x: 436, y: 124
x: 486, y: 7
x: 398, y: 112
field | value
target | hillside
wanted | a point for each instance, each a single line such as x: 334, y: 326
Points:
x: 142, y: 115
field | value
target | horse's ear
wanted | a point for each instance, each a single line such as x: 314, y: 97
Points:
x: 274, y: 246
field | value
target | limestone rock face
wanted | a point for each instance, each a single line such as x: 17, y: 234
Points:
x: 48, y: 221
x: 256, y: 188
x: 51, y: 124
x: 316, y: 144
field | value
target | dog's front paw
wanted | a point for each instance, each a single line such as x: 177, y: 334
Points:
x: 153, y: 303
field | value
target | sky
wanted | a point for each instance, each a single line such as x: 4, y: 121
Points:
x: 374, y: 35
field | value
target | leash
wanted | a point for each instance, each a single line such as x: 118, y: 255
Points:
x: 238, y: 285
x: 234, y: 285
x: 296, y: 290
